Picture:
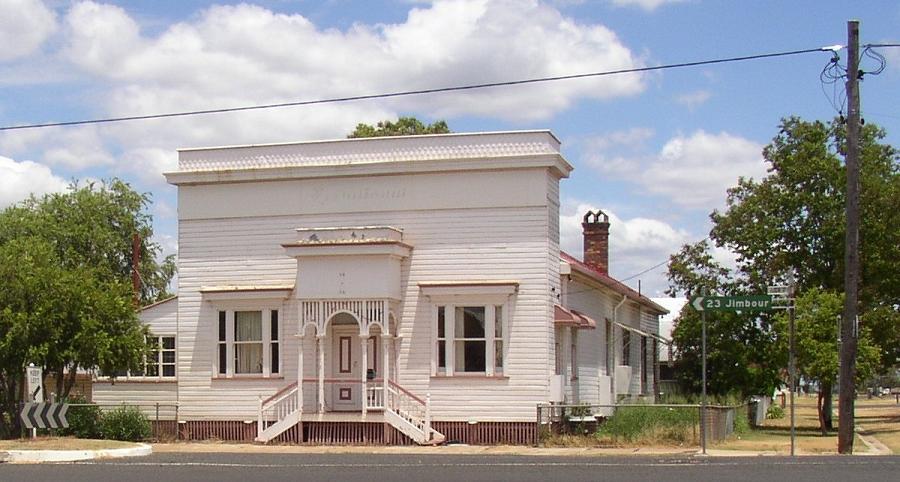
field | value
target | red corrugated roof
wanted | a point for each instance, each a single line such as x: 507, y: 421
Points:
x: 612, y: 283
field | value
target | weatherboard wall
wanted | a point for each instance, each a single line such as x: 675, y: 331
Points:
x: 227, y: 236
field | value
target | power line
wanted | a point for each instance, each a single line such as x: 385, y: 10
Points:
x: 645, y: 271
x: 414, y: 92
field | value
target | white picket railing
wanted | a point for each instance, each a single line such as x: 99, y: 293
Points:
x: 375, y: 395
x: 410, y: 408
x: 277, y: 408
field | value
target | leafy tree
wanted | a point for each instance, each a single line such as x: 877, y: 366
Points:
x: 66, y: 300
x: 793, y: 220
x: 739, y: 355
x: 405, y: 126
x: 92, y: 226
x: 817, y: 318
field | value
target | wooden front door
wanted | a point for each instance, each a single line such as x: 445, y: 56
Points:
x: 346, y: 390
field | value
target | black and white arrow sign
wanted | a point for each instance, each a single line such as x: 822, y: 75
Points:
x: 44, y: 415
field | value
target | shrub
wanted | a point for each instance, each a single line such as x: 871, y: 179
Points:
x: 774, y: 411
x: 84, y: 422
x: 651, y: 424
x: 125, y: 423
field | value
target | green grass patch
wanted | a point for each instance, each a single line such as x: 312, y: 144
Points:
x: 651, y: 425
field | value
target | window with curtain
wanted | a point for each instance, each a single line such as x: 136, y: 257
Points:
x: 248, y: 342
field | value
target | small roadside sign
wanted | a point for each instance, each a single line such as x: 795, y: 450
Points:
x: 34, y: 383
x: 732, y: 303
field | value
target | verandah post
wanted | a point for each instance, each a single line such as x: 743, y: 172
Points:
x: 259, y: 419
x: 300, y: 371
x: 364, y: 393
x: 428, y: 417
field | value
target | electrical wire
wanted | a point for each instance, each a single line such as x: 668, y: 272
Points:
x: 412, y: 92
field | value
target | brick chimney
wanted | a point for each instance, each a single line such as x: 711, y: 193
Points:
x: 596, y: 240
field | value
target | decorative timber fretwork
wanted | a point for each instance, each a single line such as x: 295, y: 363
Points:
x: 367, y: 311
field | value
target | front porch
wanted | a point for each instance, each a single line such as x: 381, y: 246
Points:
x: 353, y: 379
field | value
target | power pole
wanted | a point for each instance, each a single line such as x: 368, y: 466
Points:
x: 847, y: 394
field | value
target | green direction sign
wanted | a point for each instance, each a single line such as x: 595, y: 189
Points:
x: 732, y: 303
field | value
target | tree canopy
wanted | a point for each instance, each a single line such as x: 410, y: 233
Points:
x: 792, y: 220
x: 818, y: 313
x: 405, y: 126
x: 66, y: 300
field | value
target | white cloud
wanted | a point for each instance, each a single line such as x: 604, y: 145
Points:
x: 648, y: 5
x: 149, y: 163
x: 244, y: 54
x: 24, y: 26
x: 600, y: 151
x: 693, y: 171
x: 20, y: 179
x: 692, y: 100
x: 240, y: 55
x: 634, y: 244
x: 76, y: 148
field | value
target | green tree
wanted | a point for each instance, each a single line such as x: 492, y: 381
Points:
x: 92, y: 226
x: 58, y: 317
x: 405, y: 126
x: 739, y: 355
x: 817, y: 317
x: 792, y: 220
x: 66, y: 300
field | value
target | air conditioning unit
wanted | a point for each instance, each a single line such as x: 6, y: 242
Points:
x: 557, y: 389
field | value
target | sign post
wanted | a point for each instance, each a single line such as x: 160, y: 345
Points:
x: 705, y: 303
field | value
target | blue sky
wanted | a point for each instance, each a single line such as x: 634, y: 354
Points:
x: 657, y: 150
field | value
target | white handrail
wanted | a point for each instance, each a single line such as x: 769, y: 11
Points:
x: 374, y: 395
x: 411, y: 408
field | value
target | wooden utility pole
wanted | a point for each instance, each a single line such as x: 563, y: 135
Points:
x: 851, y: 249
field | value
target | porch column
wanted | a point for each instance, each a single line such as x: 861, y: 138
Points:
x: 300, y: 371
x: 364, y: 355
x: 321, y: 371
x: 386, y: 341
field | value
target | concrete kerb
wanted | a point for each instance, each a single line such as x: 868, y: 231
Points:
x: 39, y: 456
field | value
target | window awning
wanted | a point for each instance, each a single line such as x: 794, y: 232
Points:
x: 632, y: 329
x: 642, y: 332
x: 566, y: 317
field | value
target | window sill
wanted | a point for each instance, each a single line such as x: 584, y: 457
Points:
x: 473, y: 376
x: 136, y: 380
x: 249, y: 377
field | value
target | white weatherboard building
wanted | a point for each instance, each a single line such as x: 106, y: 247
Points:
x: 386, y: 289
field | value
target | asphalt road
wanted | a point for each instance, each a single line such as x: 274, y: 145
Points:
x: 366, y: 468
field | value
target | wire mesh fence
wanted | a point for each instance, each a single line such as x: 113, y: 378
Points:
x: 682, y: 424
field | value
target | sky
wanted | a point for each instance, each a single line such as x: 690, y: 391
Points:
x: 656, y: 151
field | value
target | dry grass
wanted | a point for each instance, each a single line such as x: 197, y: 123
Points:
x: 880, y: 417
x: 62, y: 443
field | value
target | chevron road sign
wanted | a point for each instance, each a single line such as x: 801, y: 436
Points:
x: 44, y: 415
x: 732, y: 303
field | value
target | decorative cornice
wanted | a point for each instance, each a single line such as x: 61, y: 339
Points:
x: 309, y: 158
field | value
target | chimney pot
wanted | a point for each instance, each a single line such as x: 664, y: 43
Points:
x: 596, y: 240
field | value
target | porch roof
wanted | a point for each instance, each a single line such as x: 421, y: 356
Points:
x: 565, y: 317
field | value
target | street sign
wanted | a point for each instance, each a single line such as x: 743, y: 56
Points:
x: 732, y: 303
x: 34, y: 383
x: 44, y: 415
